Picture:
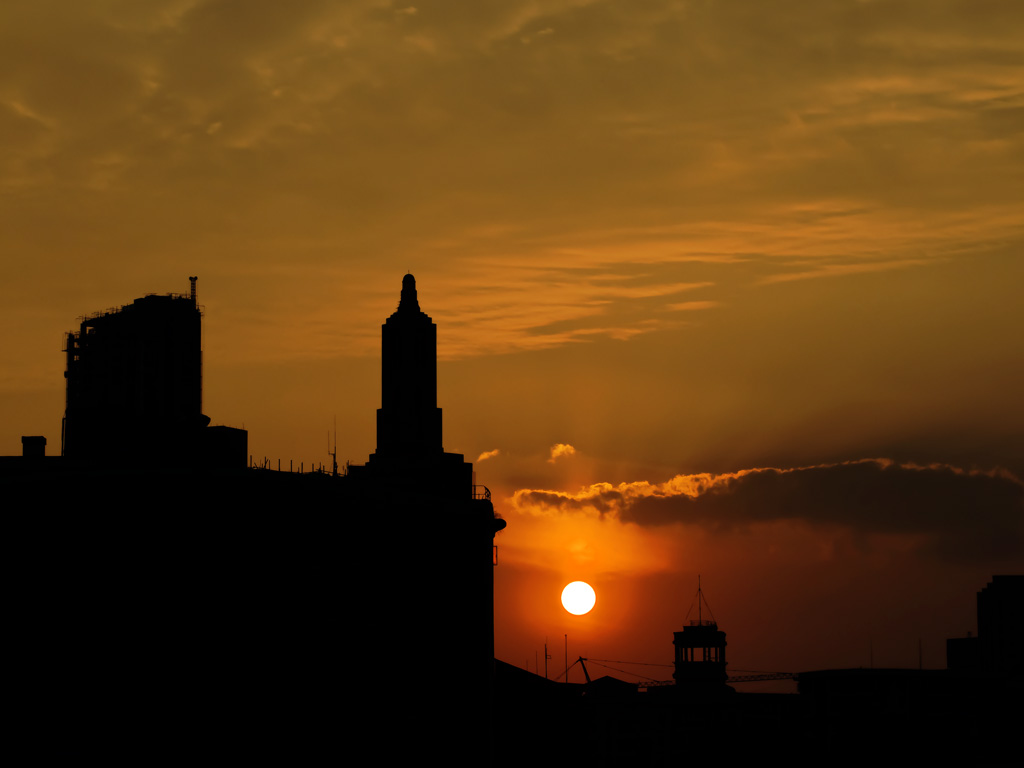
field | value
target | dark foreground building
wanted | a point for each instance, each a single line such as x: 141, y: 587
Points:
x: 187, y: 606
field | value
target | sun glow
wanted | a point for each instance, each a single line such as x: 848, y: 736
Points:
x: 578, y: 597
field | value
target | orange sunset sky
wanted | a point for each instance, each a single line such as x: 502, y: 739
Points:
x: 756, y: 267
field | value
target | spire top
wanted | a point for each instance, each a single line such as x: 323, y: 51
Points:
x: 409, y: 301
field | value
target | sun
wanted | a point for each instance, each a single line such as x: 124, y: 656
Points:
x: 578, y: 597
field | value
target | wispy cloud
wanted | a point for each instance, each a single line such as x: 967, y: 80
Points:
x: 168, y: 133
x: 691, y: 306
x: 840, y: 270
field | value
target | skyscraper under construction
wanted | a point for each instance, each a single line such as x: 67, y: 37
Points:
x: 135, y: 387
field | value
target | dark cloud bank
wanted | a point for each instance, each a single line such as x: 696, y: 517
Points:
x: 963, y: 515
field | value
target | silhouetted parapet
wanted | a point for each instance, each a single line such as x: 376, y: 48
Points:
x: 445, y: 475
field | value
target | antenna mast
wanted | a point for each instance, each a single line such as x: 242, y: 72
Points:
x: 701, y: 602
x: 333, y: 454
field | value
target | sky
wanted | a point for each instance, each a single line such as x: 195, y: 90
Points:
x: 728, y: 289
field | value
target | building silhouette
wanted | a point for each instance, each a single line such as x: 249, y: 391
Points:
x: 998, y: 648
x: 175, y: 601
x: 134, y: 384
x: 839, y: 716
x: 700, y: 665
x: 171, y: 601
x: 410, y: 453
x: 408, y: 421
x: 447, y: 559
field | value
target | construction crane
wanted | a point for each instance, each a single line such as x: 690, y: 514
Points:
x: 581, y: 661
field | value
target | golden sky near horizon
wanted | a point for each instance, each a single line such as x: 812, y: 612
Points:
x: 777, y: 246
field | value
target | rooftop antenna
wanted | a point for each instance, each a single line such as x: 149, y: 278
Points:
x: 192, y: 293
x: 701, y: 602
x: 333, y: 454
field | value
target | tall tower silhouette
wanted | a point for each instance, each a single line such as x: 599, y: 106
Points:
x: 409, y: 421
x: 410, y: 482
x: 410, y: 455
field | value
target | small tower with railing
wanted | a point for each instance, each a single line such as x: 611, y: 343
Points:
x: 700, y: 649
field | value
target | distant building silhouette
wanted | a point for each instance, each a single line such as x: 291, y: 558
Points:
x: 700, y: 655
x: 998, y: 648
x: 839, y: 716
x: 1001, y: 626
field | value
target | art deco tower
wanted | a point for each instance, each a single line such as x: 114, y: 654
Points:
x: 410, y: 454
x: 439, y: 530
x: 409, y: 421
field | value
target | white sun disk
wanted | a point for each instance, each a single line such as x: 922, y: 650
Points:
x: 578, y: 598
